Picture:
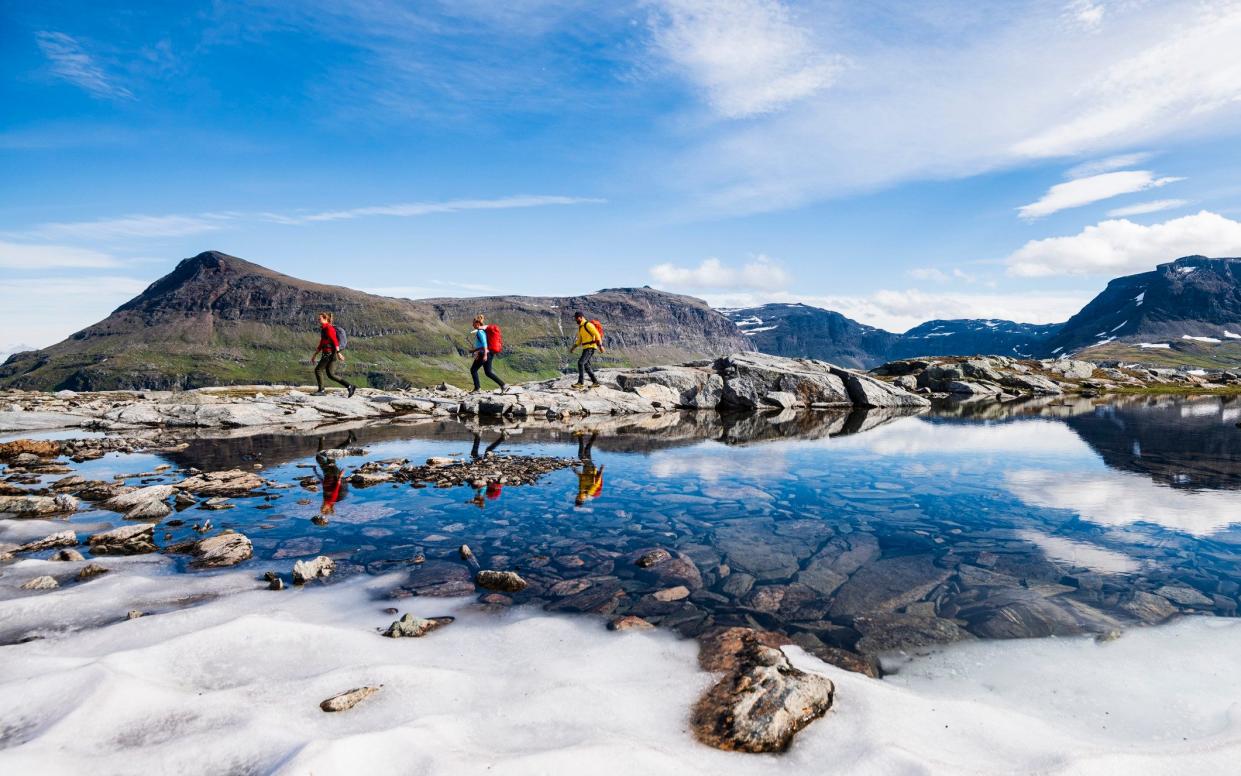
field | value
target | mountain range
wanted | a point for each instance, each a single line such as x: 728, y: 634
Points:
x: 217, y: 320
x: 1183, y: 313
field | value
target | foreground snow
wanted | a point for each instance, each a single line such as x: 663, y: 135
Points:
x: 232, y: 685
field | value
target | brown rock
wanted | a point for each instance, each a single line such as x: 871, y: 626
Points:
x: 90, y: 571
x: 761, y: 703
x: 629, y: 622
x: 41, y: 448
x: 672, y: 593
x: 503, y: 581
x: 41, y: 583
x: 58, y: 539
x: 348, y: 699
x: 126, y: 540
x: 68, y: 554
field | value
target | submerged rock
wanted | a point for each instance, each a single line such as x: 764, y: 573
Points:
x: 306, y: 570
x: 410, y: 626
x: 762, y: 702
x: 348, y: 699
x: 504, y: 581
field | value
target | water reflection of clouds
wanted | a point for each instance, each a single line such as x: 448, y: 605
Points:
x: 713, y: 463
x: 1117, y: 498
x: 915, y: 436
x: 1081, y: 554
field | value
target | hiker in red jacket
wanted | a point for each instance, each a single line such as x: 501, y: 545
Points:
x: 329, y: 346
x: 485, y: 345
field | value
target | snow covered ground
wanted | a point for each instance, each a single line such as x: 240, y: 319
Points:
x: 232, y: 685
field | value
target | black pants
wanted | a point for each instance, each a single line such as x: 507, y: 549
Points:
x: 327, y: 363
x: 485, y: 365
x: 583, y: 366
x: 478, y: 440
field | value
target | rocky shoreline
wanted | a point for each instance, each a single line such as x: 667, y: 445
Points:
x: 742, y: 382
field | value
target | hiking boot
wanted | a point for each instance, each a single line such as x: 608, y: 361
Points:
x: 351, y: 391
x: 319, y: 392
x: 577, y: 386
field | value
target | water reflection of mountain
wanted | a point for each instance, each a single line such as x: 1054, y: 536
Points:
x: 621, y: 434
x: 1186, y: 443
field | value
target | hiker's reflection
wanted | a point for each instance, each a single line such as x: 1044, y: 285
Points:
x: 332, y: 484
x: 478, y: 440
x: 492, y: 490
x: 589, y: 476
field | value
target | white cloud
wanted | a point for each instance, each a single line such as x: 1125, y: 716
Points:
x: 1083, y: 191
x: 23, y: 256
x: 71, y: 62
x: 1108, y: 164
x: 907, y: 106
x: 148, y: 226
x: 1120, y: 246
x: 749, y: 56
x: 760, y: 274
x: 43, y: 311
x: 127, y: 227
x: 411, y: 209
x: 1118, y: 498
x: 901, y: 310
x: 1087, y: 14
x: 1142, y: 208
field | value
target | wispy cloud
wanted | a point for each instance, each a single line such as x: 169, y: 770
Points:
x: 1142, y: 208
x: 412, y: 209
x: 70, y: 61
x: 1083, y: 191
x: 750, y: 56
x: 760, y: 274
x: 22, y: 256
x: 1116, y: 246
x: 1108, y: 164
x: 139, y: 226
x: 907, y: 106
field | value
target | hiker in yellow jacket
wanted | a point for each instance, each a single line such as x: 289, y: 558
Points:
x: 589, y: 339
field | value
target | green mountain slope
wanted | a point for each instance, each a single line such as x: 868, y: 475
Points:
x: 217, y: 320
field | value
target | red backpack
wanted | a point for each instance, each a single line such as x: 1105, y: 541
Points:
x: 599, y: 328
x: 495, y: 340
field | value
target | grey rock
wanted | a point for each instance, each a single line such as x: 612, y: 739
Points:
x: 51, y: 542
x: 24, y: 506
x: 41, y: 583
x: 306, y: 570
x: 410, y: 626
x: 126, y: 540
x: 226, y: 549
x: 1183, y: 595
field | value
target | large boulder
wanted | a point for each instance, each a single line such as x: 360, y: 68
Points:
x: 687, y: 387
x: 750, y: 377
x: 865, y: 391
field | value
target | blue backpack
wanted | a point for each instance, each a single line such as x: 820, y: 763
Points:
x: 341, y: 336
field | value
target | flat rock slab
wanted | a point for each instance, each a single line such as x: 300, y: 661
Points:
x: 887, y: 584
x: 126, y: 540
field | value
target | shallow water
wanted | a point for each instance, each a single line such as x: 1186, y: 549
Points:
x: 863, y: 533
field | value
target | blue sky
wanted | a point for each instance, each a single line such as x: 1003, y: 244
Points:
x: 893, y: 161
